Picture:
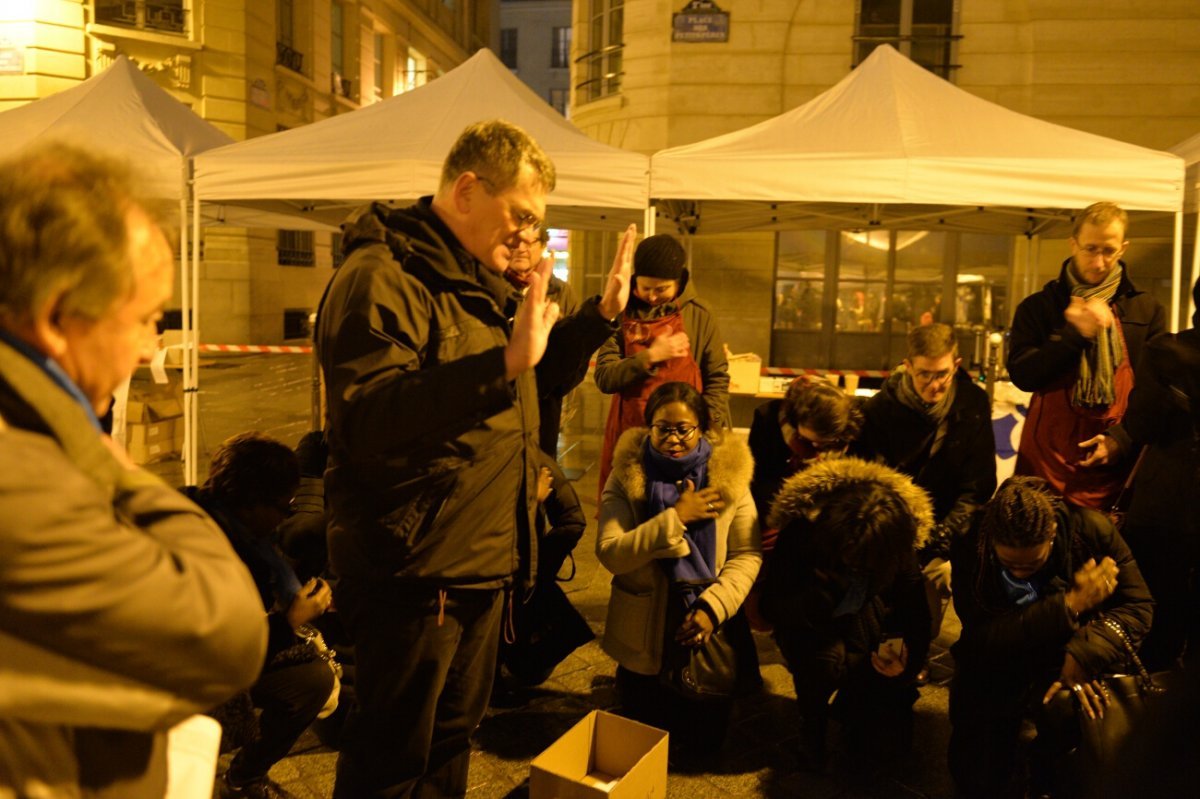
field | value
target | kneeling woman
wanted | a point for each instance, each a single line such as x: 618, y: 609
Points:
x: 846, y: 597
x: 679, y: 532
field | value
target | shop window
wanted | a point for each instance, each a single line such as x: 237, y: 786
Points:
x: 800, y: 280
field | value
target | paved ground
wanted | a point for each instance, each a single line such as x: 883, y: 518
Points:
x: 271, y: 393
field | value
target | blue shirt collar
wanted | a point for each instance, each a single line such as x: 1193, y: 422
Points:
x: 54, y: 372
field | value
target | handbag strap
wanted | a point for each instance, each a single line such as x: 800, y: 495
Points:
x: 1119, y: 502
x: 1145, y: 681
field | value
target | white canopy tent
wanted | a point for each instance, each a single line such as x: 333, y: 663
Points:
x: 1189, y: 150
x: 124, y: 113
x: 394, y: 150
x: 892, y: 145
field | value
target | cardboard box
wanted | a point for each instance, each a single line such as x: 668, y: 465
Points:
x: 744, y: 372
x: 151, y: 452
x: 602, y: 756
x: 146, y: 410
x: 141, y: 434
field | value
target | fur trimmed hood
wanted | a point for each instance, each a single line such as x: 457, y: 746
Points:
x: 729, y: 468
x: 805, y: 491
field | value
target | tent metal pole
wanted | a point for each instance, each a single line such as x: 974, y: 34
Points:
x: 195, y: 386
x: 649, y: 221
x: 1176, y: 270
x: 185, y: 321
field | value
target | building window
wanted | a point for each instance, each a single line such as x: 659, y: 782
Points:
x: 921, y: 29
x: 337, y: 39
x: 377, y: 64
x: 560, y: 48
x: 416, y: 70
x: 296, y: 248
x: 508, y: 47
x: 601, y: 65
x: 167, y: 16
x: 335, y: 249
x: 295, y: 323
x: 558, y: 99
x: 286, y: 54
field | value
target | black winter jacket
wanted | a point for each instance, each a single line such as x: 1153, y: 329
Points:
x: 960, y: 477
x: 1012, y: 652
x: 1043, y: 347
x: 432, y: 451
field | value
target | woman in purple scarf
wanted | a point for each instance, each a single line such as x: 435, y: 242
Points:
x: 677, y: 524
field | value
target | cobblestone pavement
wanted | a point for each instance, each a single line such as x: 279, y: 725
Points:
x: 272, y: 393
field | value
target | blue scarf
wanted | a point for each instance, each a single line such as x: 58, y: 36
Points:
x: 1021, y: 592
x: 665, y: 477
x: 55, y: 373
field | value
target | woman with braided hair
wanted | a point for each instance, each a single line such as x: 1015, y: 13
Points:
x: 1032, y: 577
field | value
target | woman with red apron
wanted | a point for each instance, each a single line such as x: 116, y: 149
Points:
x: 666, y: 335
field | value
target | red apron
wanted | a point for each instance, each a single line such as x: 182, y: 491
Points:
x: 1054, y: 428
x: 629, y: 405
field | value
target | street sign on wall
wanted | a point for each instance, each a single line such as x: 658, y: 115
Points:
x: 700, y: 21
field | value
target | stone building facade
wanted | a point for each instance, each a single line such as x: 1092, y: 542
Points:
x: 250, y: 67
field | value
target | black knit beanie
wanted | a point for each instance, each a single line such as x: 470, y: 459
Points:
x: 661, y: 257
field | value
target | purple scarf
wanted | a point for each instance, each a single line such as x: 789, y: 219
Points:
x: 664, y: 478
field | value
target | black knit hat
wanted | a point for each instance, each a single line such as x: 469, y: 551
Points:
x: 660, y: 256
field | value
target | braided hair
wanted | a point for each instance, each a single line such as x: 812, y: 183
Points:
x: 1022, y: 513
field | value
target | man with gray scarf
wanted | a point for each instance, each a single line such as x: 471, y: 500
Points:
x: 931, y: 422
x: 1074, y: 345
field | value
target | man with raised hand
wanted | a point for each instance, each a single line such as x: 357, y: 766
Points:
x: 433, y: 439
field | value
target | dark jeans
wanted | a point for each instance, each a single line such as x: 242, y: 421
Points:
x: 422, y: 686
x: 290, y: 698
x: 985, y: 736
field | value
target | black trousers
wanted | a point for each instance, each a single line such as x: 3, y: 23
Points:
x: 423, y: 679
x: 290, y: 698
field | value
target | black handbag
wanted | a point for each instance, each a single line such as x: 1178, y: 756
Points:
x: 709, y: 671
x: 1097, y: 753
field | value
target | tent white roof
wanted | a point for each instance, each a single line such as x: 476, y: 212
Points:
x: 393, y: 150
x: 1188, y: 150
x: 896, y: 139
x: 124, y: 112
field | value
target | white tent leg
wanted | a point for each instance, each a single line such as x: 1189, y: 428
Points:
x: 185, y: 324
x: 194, y: 388
x: 1176, y: 270
x: 649, y: 222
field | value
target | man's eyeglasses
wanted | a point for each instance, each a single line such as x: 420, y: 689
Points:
x: 933, y: 377
x: 683, y: 432
x: 525, y: 221
x: 1107, y: 253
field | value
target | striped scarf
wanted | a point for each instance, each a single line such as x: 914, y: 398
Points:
x: 1098, y: 364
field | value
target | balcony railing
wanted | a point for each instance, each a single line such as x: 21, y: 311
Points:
x: 156, y: 15
x: 604, y: 71
x: 289, y: 58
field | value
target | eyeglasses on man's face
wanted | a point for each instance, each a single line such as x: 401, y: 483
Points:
x: 1107, y: 253
x: 682, y: 432
x: 528, y: 224
x: 925, y: 376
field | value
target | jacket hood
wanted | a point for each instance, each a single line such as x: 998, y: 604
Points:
x: 729, y: 468
x: 805, y: 492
